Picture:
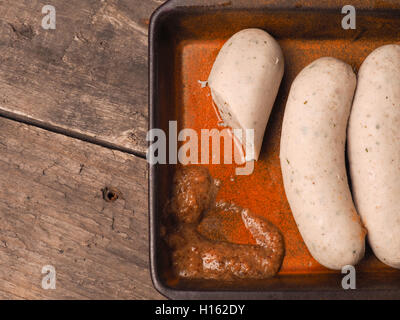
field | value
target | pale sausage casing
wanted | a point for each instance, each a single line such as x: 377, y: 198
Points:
x: 244, y: 82
x: 374, y: 151
x: 312, y: 159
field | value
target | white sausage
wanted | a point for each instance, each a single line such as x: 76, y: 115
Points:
x: 374, y: 151
x: 312, y: 159
x: 245, y: 79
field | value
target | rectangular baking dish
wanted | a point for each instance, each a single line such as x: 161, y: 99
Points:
x: 184, y: 40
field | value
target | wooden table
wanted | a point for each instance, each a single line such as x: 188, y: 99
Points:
x: 73, y: 122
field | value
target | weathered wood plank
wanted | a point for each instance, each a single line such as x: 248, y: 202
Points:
x: 89, y: 76
x: 52, y: 212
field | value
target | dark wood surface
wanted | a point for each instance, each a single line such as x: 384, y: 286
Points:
x: 88, y: 77
x: 73, y: 119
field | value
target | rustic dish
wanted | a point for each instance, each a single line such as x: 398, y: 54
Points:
x: 184, y: 41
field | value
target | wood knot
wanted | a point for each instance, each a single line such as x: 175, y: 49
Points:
x: 110, y: 194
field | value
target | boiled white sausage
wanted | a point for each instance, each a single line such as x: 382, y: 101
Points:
x: 244, y: 82
x: 374, y: 151
x: 312, y: 159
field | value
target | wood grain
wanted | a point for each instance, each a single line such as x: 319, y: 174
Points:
x: 87, y: 78
x: 52, y: 212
